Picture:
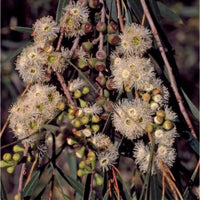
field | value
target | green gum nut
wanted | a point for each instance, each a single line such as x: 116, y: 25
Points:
x: 79, y: 113
x: 146, y: 97
x: 77, y: 123
x: 113, y: 39
x: 95, y: 127
x: 77, y: 94
x: 92, y: 160
x: 61, y: 116
x: 80, y: 152
x: 17, y: 148
x: 160, y: 113
x: 85, y: 119
x: 82, y: 103
x: 98, y: 179
x: 106, y: 93
x: 92, y: 62
x: 85, y: 90
x: 87, y: 46
x: 83, y: 64
x: 10, y: 170
x: 112, y: 27
x: 82, y: 172
x: 158, y: 120
x: 83, y: 165
x: 100, y: 100
x: 61, y: 105
x: 149, y: 128
x: 95, y: 118
x: 16, y: 157
x: 71, y: 141
x: 101, y: 27
x: 168, y: 125
x: 70, y: 117
x: 29, y: 158
x: 7, y: 157
x: 5, y: 164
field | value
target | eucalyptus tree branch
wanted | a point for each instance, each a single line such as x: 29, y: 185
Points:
x: 169, y: 68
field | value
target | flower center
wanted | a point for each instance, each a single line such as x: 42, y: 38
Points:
x: 125, y: 74
x: 136, y: 41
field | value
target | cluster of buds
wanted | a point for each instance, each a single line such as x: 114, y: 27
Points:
x: 10, y: 161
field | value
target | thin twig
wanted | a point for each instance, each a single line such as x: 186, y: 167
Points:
x: 143, y: 19
x: 163, y: 186
x: 116, y: 184
x: 23, y: 170
x: 120, y: 15
x: 169, y: 68
x: 91, y: 186
x: 62, y: 31
x: 8, y: 118
x: 31, y: 170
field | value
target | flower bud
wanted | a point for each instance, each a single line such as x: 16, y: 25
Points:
x: 76, y: 123
x: 85, y: 120
x: 104, y: 116
x: 160, y: 113
x: 71, y: 141
x: 5, y: 164
x: 146, y: 97
x: 82, y: 172
x: 100, y: 100
x: 16, y: 197
x: 101, y: 79
x: 91, y: 154
x: 154, y: 105
x: 168, y: 125
x: 149, y: 128
x: 110, y: 84
x: 79, y: 113
x: 108, y: 106
x: 17, y: 148
x: 98, y: 179
x: 100, y: 66
x: 48, y: 48
x: 82, y: 164
x: 158, y: 120
x: 77, y: 94
x: 113, y: 39
x: 85, y: 90
x: 70, y: 117
x: 106, y: 93
x: 95, y: 118
x: 61, y: 105
x: 157, y: 98
x: 7, y: 157
x: 127, y: 89
x: 82, y: 103
x: 72, y: 111
x: 112, y: 27
x: 11, y: 169
x: 95, y: 127
x: 29, y: 158
x: 87, y: 27
x: 101, y: 55
x: 91, y: 62
x: 157, y: 91
x: 83, y: 65
x: 16, y: 157
x: 80, y: 152
x: 87, y: 46
x: 93, y: 3
x: 101, y: 26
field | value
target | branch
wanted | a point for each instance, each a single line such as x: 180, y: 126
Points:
x: 169, y: 68
x: 23, y: 170
x: 120, y: 15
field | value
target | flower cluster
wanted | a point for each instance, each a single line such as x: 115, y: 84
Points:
x: 148, y: 113
x: 29, y: 114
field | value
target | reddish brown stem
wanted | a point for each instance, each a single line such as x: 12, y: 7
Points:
x: 116, y: 184
x: 23, y: 171
x: 91, y: 186
x: 120, y: 15
x: 169, y: 68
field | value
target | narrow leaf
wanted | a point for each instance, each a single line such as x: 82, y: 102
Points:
x: 111, y: 5
x: 51, y: 127
x: 87, y: 186
x: 78, y: 187
x: 72, y: 165
x: 106, y: 195
x: 192, y: 107
x: 3, y: 193
x: 29, y: 189
x: 169, y: 14
x: 155, y: 190
x: 14, y: 53
x: 22, y: 29
x: 124, y: 190
x: 136, y: 8
x: 61, y: 5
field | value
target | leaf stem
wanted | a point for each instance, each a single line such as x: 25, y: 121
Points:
x: 120, y: 15
x: 169, y: 68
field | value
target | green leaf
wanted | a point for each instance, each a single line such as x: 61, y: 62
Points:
x: 14, y: 53
x: 111, y: 5
x: 124, y: 191
x: 22, y: 29
x: 106, y: 196
x: 156, y: 11
x: 192, y: 107
x: 3, y: 193
x: 87, y: 186
x: 169, y: 14
x: 155, y: 190
x: 71, y: 158
x: 61, y: 5
x: 51, y: 127
x: 136, y: 8
x: 30, y: 187
x: 78, y: 187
